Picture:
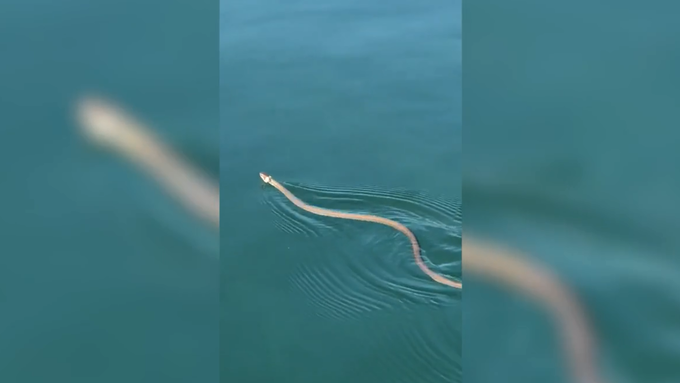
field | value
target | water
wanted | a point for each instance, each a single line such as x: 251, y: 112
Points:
x: 102, y: 277
x: 571, y: 156
x: 354, y: 106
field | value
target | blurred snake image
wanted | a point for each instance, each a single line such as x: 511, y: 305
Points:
x: 366, y: 218
x: 110, y: 127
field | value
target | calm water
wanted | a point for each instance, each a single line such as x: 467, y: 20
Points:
x: 354, y: 106
x: 102, y: 277
x: 571, y: 156
x: 105, y: 279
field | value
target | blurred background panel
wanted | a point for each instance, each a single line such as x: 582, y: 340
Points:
x: 570, y: 118
x: 103, y: 277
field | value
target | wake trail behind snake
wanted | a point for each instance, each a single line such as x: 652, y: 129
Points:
x: 366, y: 218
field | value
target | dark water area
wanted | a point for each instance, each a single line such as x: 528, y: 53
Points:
x: 353, y: 106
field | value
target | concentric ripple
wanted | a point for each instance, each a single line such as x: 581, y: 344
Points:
x: 358, y: 267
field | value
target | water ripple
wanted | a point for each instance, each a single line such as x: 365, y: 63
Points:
x: 425, y: 350
x: 370, y: 267
x: 404, y: 199
x: 290, y: 220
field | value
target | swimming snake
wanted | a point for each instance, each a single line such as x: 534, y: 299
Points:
x: 498, y: 265
x: 366, y: 218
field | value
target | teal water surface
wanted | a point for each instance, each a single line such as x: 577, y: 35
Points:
x: 353, y: 106
x: 103, y: 278
x: 571, y: 157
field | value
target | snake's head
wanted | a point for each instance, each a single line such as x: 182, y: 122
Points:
x: 100, y: 121
x: 265, y: 178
